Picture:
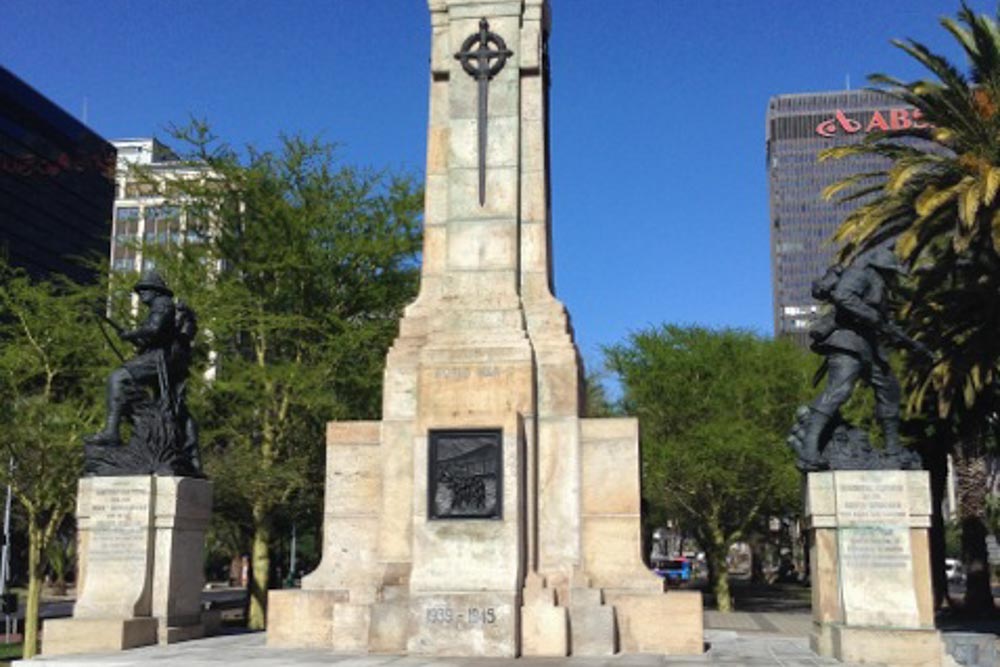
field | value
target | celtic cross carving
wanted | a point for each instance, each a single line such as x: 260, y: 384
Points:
x: 483, y: 55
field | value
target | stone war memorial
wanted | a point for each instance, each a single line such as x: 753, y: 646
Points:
x: 868, y: 511
x: 142, y: 506
x: 483, y: 516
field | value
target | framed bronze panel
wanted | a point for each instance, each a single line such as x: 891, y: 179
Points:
x: 465, y: 474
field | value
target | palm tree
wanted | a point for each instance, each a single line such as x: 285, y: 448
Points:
x: 938, y: 199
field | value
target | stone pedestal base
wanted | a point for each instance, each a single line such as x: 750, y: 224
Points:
x: 354, y: 602
x: 141, y: 540
x: 298, y: 618
x: 870, y: 567
x: 326, y: 619
x: 96, y: 635
x: 670, y: 623
x: 882, y: 646
x: 172, y: 634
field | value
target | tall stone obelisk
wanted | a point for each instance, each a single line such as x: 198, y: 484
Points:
x: 483, y: 515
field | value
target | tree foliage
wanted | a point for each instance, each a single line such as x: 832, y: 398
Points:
x: 715, y: 408
x: 52, y: 367
x: 938, y: 198
x: 299, y: 269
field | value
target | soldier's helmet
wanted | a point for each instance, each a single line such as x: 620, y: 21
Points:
x: 152, y: 280
x: 884, y: 258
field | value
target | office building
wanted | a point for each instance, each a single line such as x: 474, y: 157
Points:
x: 56, y: 185
x: 802, y: 222
x: 143, y: 213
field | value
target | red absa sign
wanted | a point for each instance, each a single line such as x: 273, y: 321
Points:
x: 900, y: 118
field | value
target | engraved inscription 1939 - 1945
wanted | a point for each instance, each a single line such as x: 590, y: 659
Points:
x: 464, y: 474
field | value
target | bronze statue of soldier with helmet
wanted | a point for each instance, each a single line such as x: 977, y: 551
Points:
x: 854, y: 337
x: 149, y: 389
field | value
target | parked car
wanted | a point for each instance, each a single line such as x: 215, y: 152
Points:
x: 954, y: 571
x: 675, y: 570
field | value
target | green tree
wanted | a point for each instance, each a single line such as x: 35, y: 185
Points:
x: 715, y: 408
x: 299, y: 269
x: 938, y: 198
x: 596, y: 400
x: 52, y: 367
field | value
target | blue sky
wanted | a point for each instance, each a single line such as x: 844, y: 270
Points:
x: 659, y: 183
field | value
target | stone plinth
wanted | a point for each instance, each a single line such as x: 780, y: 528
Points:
x: 141, y: 542
x: 870, y: 567
x: 183, y: 511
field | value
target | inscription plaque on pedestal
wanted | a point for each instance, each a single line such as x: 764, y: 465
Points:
x: 120, y: 522
x: 117, y: 515
x: 875, y: 552
x: 464, y: 474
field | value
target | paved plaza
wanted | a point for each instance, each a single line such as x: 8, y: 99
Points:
x: 734, y: 639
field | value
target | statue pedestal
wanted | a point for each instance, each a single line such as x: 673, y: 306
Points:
x: 140, y: 572
x: 870, y: 567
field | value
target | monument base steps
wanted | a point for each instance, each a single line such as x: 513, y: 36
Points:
x: 544, y: 631
x: 584, y: 597
x: 351, y: 626
x: 886, y: 646
x: 821, y: 639
x: 172, y: 634
x: 301, y: 618
x: 544, y: 626
x: 389, y: 625
x: 392, y: 593
x: 96, y: 635
x: 592, y: 629
x: 640, y: 619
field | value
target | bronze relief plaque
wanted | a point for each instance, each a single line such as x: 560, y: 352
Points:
x: 465, y: 474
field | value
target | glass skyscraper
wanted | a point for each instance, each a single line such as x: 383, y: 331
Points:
x: 56, y: 185
x: 802, y: 222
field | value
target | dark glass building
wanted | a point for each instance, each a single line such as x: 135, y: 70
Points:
x: 57, y: 185
x: 802, y: 222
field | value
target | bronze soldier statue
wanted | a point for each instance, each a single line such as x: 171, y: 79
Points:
x: 150, y: 389
x: 854, y: 339
x: 153, y: 340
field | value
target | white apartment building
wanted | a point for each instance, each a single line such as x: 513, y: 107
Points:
x: 142, y: 215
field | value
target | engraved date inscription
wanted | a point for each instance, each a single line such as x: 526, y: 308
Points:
x: 470, y: 616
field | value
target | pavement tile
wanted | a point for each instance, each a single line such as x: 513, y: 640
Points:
x: 730, y: 621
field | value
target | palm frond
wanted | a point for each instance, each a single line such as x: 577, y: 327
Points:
x: 832, y: 190
x: 968, y: 204
x: 933, y: 199
x: 995, y: 231
x: 991, y: 184
x: 944, y: 70
x: 861, y: 193
x: 905, y: 171
x: 963, y: 36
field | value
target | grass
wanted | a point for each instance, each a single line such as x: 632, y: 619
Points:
x: 9, y: 652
